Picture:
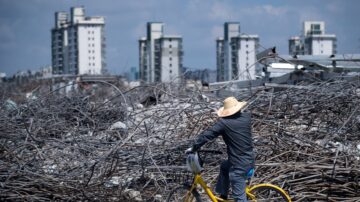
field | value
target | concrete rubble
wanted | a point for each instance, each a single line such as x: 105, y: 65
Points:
x: 124, y: 147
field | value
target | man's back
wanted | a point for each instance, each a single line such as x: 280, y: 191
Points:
x: 235, y: 128
x: 238, y: 138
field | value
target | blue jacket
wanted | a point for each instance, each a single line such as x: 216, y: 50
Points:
x: 236, y: 132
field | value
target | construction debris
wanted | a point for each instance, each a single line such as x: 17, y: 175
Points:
x: 111, y: 147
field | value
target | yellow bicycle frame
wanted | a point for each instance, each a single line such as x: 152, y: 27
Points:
x: 252, y: 197
x: 198, y: 180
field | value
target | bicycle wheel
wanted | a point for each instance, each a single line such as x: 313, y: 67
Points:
x: 180, y: 194
x: 269, y: 193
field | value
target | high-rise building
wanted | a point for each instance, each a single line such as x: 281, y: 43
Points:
x: 295, y: 46
x: 220, y: 59
x: 236, y: 54
x: 78, y: 43
x: 313, y: 41
x: 133, y: 75
x: 160, y: 56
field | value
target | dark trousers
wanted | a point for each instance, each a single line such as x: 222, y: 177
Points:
x: 236, y: 177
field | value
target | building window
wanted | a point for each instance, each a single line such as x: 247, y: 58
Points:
x: 170, y: 46
x: 170, y: 58
x: 170, y: 71
x: 170, y: 65
x: 247, y: 46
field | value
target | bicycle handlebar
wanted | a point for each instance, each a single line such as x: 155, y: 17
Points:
x: 209, y: 151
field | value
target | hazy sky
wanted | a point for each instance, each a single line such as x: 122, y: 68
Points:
x: 25, y: 26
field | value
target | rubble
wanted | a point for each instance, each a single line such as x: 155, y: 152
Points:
x: 10, y: 105
x: 133, y: 195
x: 118, y: 125
x: 87, y: 147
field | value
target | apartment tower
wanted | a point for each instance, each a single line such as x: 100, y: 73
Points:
x: 160, y: 56
x: 236, y: 54
x: 313, y: 41
x: 78, y: 43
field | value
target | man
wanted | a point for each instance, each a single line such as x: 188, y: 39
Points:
x: 235, y: 128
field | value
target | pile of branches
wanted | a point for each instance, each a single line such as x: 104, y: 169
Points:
x: 308, y: 140
x: 82, y: 147
x: 129, y: 144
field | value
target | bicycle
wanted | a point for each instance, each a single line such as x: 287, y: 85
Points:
x: 188, y: 192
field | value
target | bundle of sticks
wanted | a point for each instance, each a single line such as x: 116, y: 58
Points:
x: 129, y: 144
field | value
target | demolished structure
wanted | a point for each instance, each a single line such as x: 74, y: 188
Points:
x: 106, y: 145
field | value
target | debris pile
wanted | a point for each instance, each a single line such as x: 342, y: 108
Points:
x: 129, y: 144
x: 307, y: 140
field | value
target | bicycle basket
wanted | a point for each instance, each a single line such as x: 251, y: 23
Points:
x: 180, y: 177
x: 193, y: 163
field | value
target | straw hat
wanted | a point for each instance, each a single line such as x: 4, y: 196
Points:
x: 231, y: 106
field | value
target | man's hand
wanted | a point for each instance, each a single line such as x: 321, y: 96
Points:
x: 189, y: 150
